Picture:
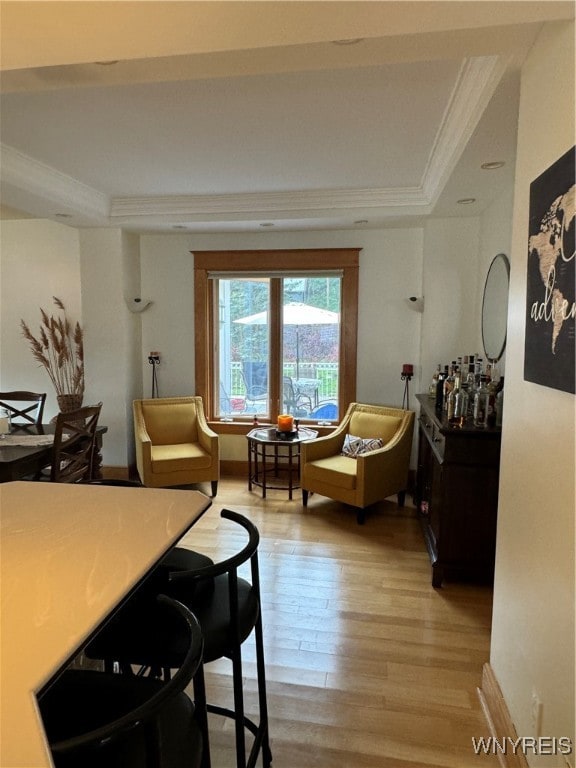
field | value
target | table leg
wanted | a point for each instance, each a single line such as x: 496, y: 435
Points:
x: 249, y: 465
x: 263, y: 449
x: 290, y: 446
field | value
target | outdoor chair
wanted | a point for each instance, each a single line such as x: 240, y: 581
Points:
x: 255, y: 377
x: 295, y: 402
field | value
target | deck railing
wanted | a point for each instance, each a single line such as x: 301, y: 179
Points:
x: 325, y: 373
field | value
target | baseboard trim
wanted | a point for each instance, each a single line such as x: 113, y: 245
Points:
x: 498, y: 718
x: 115, y: 473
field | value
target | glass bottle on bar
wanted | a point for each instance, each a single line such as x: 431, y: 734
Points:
x: 471, y: 386
x: 440, y: 389
x: 452, y: 395
x: 448, y: 384
x: 460, y: 414
x: 434, y: 382
x: 481, y: 397
x: 500, y: 403
x: 493, y: 390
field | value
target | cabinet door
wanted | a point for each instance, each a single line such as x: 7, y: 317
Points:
x: 424, y: 474
x: 436, y: 504
x: 469, y: 536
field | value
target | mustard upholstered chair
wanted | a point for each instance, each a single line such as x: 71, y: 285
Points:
x: 174, y: 444
x: 367, y: 477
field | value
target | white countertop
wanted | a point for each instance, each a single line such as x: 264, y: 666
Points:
x: 68, y: 555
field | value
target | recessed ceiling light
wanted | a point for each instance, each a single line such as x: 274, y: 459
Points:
x: 361, y: 221
x: 349, y: 41
x: 267, y: 224
x: 493, y: 165
x: 466, y: 201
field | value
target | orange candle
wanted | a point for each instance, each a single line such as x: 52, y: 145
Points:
x: 285, y: 423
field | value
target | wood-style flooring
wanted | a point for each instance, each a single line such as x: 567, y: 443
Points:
x: 368, y: 666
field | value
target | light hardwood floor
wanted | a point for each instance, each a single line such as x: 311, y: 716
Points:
x: 367, y: 665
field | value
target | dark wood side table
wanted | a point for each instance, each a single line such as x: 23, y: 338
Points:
x: 457, y: 495
x: 274, y: 454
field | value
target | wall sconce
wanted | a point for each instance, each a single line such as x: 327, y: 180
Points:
x: 138, y: 304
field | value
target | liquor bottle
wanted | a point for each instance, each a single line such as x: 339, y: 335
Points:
x: 471, y: 386
x: 452, y: 396
x: 434, y: 382
x: 440, y: 389
x: 478, y: 369
x: 255, y: 421
x: 481, y: 404
x: 448, y: 384
x: 500, y: 405
x: 460, y: 408
x: 493, y: 390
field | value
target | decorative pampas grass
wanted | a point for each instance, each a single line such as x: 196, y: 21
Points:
x: 59, y: 348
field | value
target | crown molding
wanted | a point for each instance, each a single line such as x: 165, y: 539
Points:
x: 256, y: 203
x: 24, y: 172
x: 476, y: 83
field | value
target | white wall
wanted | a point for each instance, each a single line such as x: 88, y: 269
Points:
x: 533, y: 625
x: 39, y: 260
x: 495, y: 238
x: 450, y: 323
x: 110, y: 270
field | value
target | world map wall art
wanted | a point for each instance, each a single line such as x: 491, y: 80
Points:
x: 549, y: 351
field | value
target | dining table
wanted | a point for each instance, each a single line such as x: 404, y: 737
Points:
x: 27, y: 449
x: 70, y: 555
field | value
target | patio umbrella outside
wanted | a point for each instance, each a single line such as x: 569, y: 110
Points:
x: 296, y: 313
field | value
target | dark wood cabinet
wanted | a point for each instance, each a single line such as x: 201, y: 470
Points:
x: 457, y: 495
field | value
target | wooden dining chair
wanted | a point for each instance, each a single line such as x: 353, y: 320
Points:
x: 25, y: 408
x: 74, y: 442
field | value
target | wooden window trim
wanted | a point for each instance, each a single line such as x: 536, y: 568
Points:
x: 266, y: 261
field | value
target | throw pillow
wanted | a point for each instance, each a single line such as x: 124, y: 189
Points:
x: 354, y: 446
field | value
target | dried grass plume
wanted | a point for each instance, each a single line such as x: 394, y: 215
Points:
x: 59, y: 348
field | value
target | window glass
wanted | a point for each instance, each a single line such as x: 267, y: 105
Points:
x: 243, y: 346
x: 307, y: 370
x: 311, y: 346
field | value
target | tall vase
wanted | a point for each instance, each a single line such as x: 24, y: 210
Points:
x: 69, y: 402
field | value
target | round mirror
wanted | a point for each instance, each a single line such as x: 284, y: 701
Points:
x: 495, y: 308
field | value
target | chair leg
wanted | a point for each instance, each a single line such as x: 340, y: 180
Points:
x: 239, y: 708
x: 361, y: 516
x: 262, y: 699
x: 401, y: 498
x: 202, y: 714
x: 214, y: 484
x: 304, y: 497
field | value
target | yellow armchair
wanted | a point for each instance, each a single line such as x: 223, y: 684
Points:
x: 174, y: 444
x: 369, y: 477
